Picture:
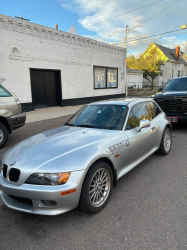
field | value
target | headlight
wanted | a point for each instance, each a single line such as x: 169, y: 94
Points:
x: 18, y: 102
x: 48, y: 179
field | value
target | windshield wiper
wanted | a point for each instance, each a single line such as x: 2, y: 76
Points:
x: 86, y: 126
x: 69, y: 124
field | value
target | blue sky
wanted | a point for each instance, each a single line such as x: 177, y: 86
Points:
x: 87, y: 16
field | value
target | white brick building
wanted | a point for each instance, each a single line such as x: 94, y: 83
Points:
x: 49, y: 67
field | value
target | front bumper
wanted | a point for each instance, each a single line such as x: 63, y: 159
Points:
x: 16, y: 121
x: 28, y: 198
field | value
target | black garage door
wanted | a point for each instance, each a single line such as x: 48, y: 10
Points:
x: 46, y: 89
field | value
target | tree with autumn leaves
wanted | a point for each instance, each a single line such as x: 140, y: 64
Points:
x: 149, y: 63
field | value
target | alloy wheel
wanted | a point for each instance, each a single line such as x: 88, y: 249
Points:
x: 99, y: 187
x: 167, y: 140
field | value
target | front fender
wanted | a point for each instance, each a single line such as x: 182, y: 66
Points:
x: 76, y: 160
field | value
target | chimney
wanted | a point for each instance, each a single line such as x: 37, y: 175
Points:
x: 56, y: 26
x: 177, y: 53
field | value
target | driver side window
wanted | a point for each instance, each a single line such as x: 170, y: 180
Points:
x: 138, y: 112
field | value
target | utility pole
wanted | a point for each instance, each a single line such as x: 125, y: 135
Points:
x: 126, y: 33
x: 22, y: 18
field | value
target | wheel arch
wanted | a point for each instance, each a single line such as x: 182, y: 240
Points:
x: 169, y: 126
x: 5, y: 123
x: 109, y: 162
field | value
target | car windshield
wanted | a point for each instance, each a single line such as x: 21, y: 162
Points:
x: 176, y: 85
x: 100, y: 116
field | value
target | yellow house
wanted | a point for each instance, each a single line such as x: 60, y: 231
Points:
x: 174, y: 63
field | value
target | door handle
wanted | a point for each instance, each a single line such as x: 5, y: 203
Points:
x: 153, y: 128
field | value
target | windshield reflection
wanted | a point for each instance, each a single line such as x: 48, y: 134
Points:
x: 100, y: 117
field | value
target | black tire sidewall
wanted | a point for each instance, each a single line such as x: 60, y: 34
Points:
x: 5, y: 135
x: 85, y: 203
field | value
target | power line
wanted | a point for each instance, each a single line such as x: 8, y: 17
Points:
x: 38, y: 35
x: 153, y: 16
x: 175, y: 39
x: 153, y: 35
x: 149, y: 33
x: 148, y: 37
x: 121, y: 14
x: 155, y: 32
x: 151, y: 38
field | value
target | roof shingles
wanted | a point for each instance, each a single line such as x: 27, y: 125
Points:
x: 170, y: 53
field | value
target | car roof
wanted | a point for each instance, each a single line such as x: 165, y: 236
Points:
x: 179, y: 77
x: 125, y: 101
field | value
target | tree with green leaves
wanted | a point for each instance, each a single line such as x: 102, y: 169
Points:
x: 149, y: 63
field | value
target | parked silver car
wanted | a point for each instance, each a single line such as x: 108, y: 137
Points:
x: 78, y: 164
x: 11, y: 116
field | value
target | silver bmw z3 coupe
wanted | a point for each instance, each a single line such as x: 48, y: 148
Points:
x: 79, y: 163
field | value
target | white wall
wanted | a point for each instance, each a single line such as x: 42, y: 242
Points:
x: 45, y: 48
x: 167, y: 70
x: 167, y: 73
x: 181, y: 67
x: 134, y: 79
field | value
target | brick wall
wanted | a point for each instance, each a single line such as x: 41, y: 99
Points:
x: 46, y: 48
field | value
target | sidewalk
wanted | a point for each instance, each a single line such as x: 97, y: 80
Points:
x: 49, y: 113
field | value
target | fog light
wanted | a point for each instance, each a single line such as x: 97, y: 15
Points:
x: 48, y: 203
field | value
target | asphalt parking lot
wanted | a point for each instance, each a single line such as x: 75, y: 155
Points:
x: 147, y: 209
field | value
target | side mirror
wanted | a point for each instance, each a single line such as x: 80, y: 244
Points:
x: 160, y: 89
x: 143, y: 124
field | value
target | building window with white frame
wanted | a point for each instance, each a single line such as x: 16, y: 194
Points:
x: 105, y: 77
x: 179, y: 73
x: 172, y: 73
x: 161, y: 72
x: 182, y: 73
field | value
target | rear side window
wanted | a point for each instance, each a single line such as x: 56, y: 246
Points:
x: 4, y: 92
x: 138, y: 112
x: 153, y: 110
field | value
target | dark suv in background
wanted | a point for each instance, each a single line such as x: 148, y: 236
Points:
x: 173, y: 99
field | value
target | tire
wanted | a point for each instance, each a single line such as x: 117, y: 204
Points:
x: 101, y: 190
x: 3, y: 135
x: 164, y: 149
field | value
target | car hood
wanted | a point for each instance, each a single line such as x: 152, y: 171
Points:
x: 171, y: 94
x: 43, y: 148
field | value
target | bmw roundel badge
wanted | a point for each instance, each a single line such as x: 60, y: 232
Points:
x: 13, y: 163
